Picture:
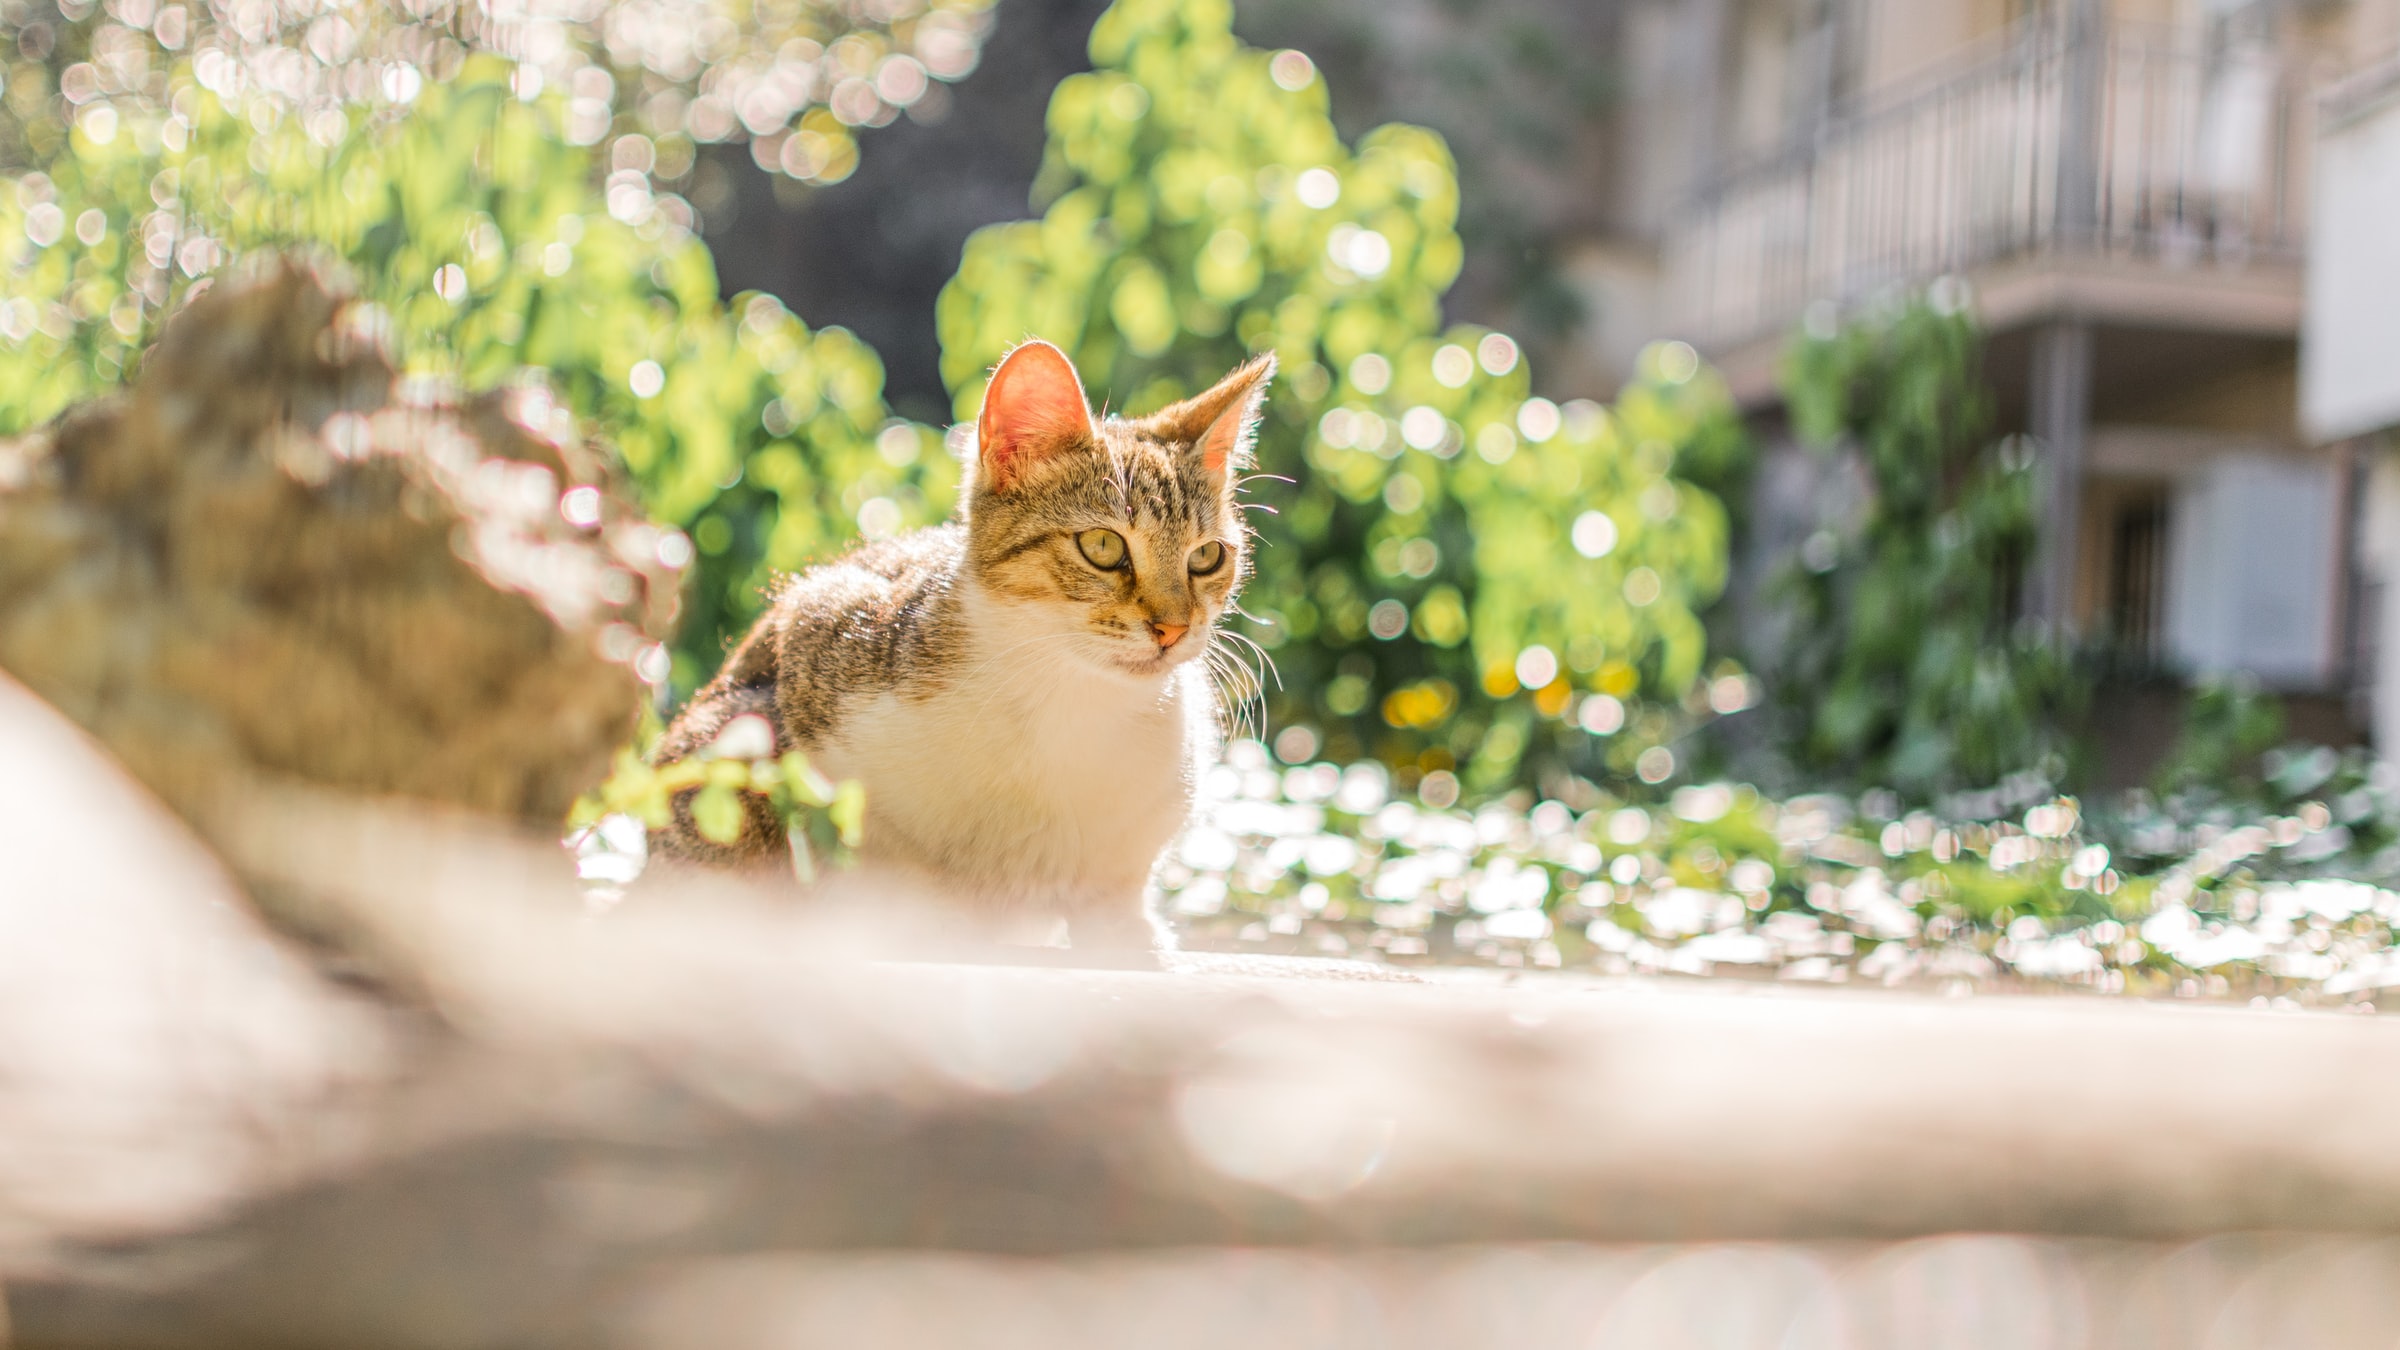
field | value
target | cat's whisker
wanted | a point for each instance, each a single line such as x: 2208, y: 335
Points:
x: 1239, y: 687
x: 1257, y: 679
x: 1241, y: 714
x: 1264, y: 657
x: 1236, y: 680
x: 1258, y: 684
x: 1230, y: 690
x: 1227, y: 703
x: 1227, y: 673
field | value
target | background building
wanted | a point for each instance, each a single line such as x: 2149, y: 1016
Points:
x: 2131, y: 191
x: 2350, y: 353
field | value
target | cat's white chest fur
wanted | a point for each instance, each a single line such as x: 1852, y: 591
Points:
x: 1036, y: 783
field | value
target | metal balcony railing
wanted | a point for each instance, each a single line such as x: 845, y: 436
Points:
x: 2152, y: 143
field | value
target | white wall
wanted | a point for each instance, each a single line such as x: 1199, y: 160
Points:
x: 2379, y: 559
x: 2350, y: 337
x: 2253, y: 568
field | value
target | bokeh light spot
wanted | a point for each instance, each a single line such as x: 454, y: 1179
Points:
x: 1538, y: 418
x: 1594, y: 535
x: 1601, y: 715
x: 1453, y: 366
x: 1655, y: 765
x: 580, y: 507
x: 898, y: 445
x: 1536, y: 666
x: 1677, y: 362
x: 1296, y: 744
x: 1292, y: 70
x: 1371, y: 374
x: 1496, y: 444
x: 879, y: 518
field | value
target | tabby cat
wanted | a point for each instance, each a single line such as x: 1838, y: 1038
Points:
x: 1021, y: 692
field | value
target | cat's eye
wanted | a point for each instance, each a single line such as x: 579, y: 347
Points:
x: 1104, y: 549
x: 1208, y: 557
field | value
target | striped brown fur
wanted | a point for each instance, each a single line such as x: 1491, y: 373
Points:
x: 855, y: 655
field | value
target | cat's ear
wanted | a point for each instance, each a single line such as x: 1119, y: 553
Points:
x: 1221, y: 425
x: 1033, y: 409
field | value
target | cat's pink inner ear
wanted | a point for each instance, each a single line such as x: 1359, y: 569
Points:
x: 1227, y: 442
x: 1033, y: 409
x: 1243, y: 394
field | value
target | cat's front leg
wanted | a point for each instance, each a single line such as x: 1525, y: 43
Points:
x: 1119, y: 924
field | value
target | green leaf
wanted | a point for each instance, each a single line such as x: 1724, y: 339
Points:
x: 849, y: 813
x: 717, y: 811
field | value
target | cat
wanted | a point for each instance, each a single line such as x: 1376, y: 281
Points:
x: 1021, y: 692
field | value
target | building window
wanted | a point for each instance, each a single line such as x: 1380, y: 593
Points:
x: 2137, y: 587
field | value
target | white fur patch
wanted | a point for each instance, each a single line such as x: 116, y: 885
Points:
x: 1037, y: 780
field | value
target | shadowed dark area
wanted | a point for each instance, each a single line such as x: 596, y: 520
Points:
x: 871, y: 253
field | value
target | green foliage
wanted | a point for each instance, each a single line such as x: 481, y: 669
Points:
x: 2228, y: 723
x: 1904, y: 665
x: 482, y: 234
x: 1200, y: 207
x: 822, y: 819
x: 646, y: 79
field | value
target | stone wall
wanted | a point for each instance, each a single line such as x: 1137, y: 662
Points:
x: 273, y: 556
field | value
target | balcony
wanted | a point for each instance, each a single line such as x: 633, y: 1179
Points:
x: 2136, y: 176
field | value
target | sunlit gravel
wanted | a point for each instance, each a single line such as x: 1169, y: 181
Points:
x: 2283, y: 895
x: 2010, y: 889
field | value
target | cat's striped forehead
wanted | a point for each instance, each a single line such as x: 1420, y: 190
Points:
x: 1128, y: 473
x: 1155, y: 478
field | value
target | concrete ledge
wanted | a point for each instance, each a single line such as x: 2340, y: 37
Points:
x: 1966, y: 1292
x: 583, y: 1129
x: 654, y: 1104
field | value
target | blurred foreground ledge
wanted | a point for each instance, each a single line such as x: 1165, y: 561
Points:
x: 698, y: 1120
x: 287, y: 1063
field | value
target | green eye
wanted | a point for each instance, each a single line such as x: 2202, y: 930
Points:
x: 1104, y: 549
x: 1208, y: 558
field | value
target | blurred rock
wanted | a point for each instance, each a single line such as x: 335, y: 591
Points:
x: 271, y: 558
x: 160, y: 1051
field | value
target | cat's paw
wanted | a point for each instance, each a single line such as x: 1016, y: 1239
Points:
x: 1118, y: 937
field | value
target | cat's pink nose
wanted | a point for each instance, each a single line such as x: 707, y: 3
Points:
x: 1168, y: 634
